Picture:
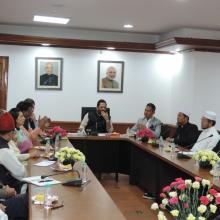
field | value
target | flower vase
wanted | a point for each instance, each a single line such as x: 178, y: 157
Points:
x: 205, y: 165
x: 144, y: 139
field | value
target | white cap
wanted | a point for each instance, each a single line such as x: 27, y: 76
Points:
x: 187, y: 113
x: 210, y: 115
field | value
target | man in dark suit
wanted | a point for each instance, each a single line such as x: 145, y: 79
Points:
x: 48, y: 79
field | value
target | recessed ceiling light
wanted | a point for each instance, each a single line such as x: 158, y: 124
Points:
x: 54, y: 20
x: 110, y: 48
x: 45, y: 44
x: 128, y: 26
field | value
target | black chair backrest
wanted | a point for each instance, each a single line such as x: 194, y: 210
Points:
x: 90, y: 109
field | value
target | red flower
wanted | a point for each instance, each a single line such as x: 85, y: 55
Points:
x: 213, y: 192
x: 204, y: 200
x: 217, y: 200
x: 198, y: 179
x: 174, y: 184
x: 162, y: 195
x: 166, y: 189
x: 145, y: 133
x: 182, y: 186
x: 173, y: 201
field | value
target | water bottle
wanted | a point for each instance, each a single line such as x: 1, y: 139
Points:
x: 173, y: 147
x: 216, y: 172
x: 84, y: 172
x: 47, y: 197
x: 57, y: 143
x: 161, y: 144
x: 47, y: 146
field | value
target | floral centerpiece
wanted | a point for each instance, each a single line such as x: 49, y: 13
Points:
x: 145, y: 134
x: 56, y: 132
x: 69, y: 155
x: 188, y: 200
x: 206, y: 158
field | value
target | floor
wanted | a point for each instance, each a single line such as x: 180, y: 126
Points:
x: 128, y: 198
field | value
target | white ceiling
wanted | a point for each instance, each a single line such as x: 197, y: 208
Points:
x: 147, y: 16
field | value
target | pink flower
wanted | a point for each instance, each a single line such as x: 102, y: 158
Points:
x: 204, y: 200
x: 174, y: 184
x: 162, y: 195
x: 173, y: 201
x: 166, y: 189
x: 145, y: 132
x: 213, y: 192
x: 186, y: 205
x: 179, y: 180
x: 162, y: 206
x: 198, y: 179
x: 217, y: 200
x: 182, y: 186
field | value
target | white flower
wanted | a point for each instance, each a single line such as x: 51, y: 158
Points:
x: 165, y: 201
x: 213, y: 208
x: 188, y: 182
x: 175, y: 213
x: 154, y: 206
x: 161, y: 216
x: 205, y: 182
x: 173, y: 194
x: 202, y: 218
x: 210, y: 197
x: 196, y: 185
x: 190, y: 217
x: 202, y: 209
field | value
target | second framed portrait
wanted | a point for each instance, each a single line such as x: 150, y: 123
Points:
x: 48, y: 73
x: 110, y: 76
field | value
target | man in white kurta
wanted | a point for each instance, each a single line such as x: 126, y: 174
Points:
x: 209, y: 137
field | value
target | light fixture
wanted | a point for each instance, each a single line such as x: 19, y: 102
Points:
x: 110, y: 48
x: 47, y: 19
x: 45, y: 44
x: 128, y: 26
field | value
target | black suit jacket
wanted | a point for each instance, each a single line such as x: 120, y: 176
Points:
x: 48, y: 80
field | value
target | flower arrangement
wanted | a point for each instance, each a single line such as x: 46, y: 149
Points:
x: 188, y: 200
x: 56, y: 131
x: 69, y: 155
x: 145, y: 134
x: 206, y: 157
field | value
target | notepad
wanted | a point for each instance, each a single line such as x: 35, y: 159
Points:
x: 36, y: 180
x: 44, y: 163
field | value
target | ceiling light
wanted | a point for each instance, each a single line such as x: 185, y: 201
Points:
x: 128, y: 26
x: 110, y: 48
x: 45, y: 44
x: 54, y: 20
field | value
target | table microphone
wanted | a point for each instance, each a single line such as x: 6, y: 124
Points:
x: 184, y: 156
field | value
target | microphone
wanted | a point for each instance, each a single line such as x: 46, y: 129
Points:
x: 184, y: 156
x: 54, y: 174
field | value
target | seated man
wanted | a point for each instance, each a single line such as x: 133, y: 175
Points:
x: 186, y: 133
x: 148, y: 121
x: 11, y: 170
x: 209, y: 137
x: 15, y: 206
x: 99, y: 121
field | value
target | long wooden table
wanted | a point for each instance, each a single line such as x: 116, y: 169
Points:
x: 83, y: 203
x: 147, y: 166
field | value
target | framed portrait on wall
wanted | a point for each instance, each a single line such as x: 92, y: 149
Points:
x: 48, y: 73
x: 110, y: 76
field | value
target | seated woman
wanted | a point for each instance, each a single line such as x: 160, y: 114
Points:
x: 26, y: 139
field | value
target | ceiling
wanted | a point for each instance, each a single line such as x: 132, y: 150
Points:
x: 147, y: 16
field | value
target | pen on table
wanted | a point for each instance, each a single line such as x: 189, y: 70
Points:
x: 42, y: 181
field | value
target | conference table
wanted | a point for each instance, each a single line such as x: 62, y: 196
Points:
x: 146, y: 165
x: 82, y: 203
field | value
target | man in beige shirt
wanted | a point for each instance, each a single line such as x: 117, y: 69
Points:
x: 109, y: 81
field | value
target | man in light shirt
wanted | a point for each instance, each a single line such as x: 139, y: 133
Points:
x: 148, y: 121
x: 209, y: 137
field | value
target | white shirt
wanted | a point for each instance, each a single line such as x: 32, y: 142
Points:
x: 209, y: 143
x: 3, y: 216
x: 9, y: 160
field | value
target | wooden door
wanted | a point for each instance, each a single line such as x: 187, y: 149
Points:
x: 3, y: 81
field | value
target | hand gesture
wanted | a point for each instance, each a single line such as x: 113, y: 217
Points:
x: 9, y: 192
x: 105, y: 115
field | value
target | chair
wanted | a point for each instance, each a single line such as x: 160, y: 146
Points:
x: 90, y: 109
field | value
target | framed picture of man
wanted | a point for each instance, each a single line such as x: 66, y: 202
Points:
x: 110, y: 76
x: 48, y: 73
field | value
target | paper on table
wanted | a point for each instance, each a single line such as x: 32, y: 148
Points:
x: 44, y: 163
x: 36, y: 180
